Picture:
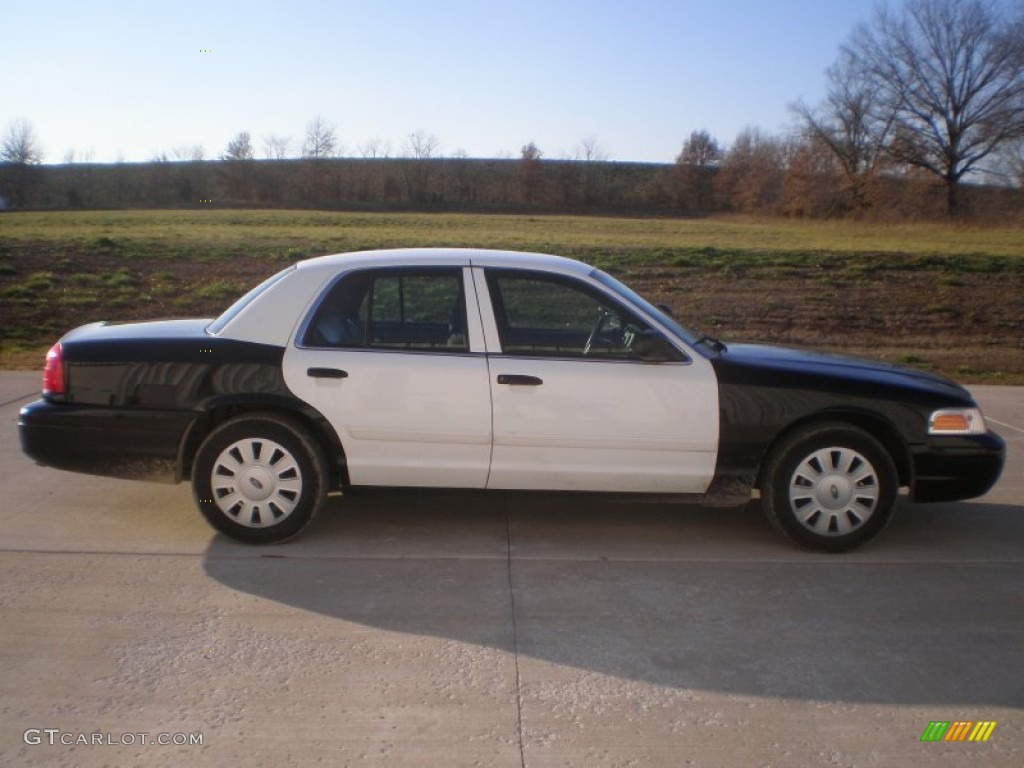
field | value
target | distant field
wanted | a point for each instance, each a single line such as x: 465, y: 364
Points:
x: 931, y: 295
x: 313, y: 232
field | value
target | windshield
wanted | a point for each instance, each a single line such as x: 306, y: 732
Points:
x: 229, y: 314
x: 637, y: 300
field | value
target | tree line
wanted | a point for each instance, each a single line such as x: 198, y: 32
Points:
x: 759, y: 174
x: 923, y: 116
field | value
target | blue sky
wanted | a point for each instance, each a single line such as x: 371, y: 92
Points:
x: 129, y: 80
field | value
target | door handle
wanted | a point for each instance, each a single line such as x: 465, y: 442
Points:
x: 517, y: 380
x: 327, y: 373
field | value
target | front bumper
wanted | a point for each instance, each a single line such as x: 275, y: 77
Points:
x: 954, y: 468
x: 115, y: 442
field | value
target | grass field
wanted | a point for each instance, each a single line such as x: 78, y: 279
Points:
x: 932, y: 295
x: 314, y: 232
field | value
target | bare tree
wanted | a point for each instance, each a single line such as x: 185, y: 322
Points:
x: 813, y: 183
x: 589, y: 150
x: 593, y: 180
x: 952, y: 72
x: 236, y: 170
x: 459, y: 175
x: 752, y: 173
x: 271, y: 179
x: 318, y: 146
x: 530, y: 174
x: 701, y: 149
x: 321, y: 140
x: 421, y: 145
x: 1011, y: 163
x: 853, y: 123
x: 421, y: 148
x: 375, y: 148
x: 20, y: 153
x: 20, y: 145
x: 80, y: 178
x: 239, y: 148
x: 187, y: 176
x: 696, y: 166
x: 72, y: 156
x: 275, y: 147
x: 188, y: 153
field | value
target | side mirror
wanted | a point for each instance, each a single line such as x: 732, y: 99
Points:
x: 652, y: 347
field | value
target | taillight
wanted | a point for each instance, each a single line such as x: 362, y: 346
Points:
x: 53, y: 371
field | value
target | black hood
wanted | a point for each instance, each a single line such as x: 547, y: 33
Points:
x: 764, y: 364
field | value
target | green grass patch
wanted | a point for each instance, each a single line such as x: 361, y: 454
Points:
x: 102, y: 243
x: 30, y: 287
x: 121, y: 278
x: 219, y: 289
x: 83, y: 280
x: 79, y: 300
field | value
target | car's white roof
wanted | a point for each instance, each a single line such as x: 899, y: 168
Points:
x: 448, y: 256
x: 272, y: 315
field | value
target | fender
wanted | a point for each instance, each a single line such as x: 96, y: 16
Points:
x: 214, y: 410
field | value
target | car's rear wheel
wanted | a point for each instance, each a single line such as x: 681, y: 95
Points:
x: 259, y: 478
x: 830, y: 487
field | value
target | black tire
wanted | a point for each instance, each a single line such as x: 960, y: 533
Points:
x: 259, y: 478
x: 829, y: 487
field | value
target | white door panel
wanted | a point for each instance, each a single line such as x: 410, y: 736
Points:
x: 592, y: 424
x: 404, y: 419
x: 604, y: 426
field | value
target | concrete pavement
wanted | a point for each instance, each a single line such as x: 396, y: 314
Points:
x: 521, y: 630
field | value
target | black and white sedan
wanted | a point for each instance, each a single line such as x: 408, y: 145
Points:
x: 494, y: 370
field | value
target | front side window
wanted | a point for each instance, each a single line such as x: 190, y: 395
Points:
x: 393, y: 309
x: 543, y: 315
x: 637, y: 300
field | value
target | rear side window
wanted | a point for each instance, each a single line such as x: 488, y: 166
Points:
x: 421, y: 309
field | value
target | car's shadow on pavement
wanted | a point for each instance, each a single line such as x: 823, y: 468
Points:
x: 676, y: 596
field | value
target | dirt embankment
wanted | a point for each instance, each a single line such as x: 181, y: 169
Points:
x: 969, y: 326
x: 966, y: 324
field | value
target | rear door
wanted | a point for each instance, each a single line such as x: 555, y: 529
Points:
x: 575, y: 407
x: 394, y: 359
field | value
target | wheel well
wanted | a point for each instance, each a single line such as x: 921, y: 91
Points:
x: 878, y: 428
x: 318, y: 427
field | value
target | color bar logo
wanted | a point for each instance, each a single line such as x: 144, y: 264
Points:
x: 958, y: 730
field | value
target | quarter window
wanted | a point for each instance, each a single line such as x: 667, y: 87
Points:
x: 393, y: 309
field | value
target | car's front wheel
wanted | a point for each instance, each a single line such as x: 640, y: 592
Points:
x: 830, y: 487
x: 259, y: 478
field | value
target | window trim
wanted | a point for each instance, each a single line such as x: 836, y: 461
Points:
x: 456, y: 270
x: 595, y: 289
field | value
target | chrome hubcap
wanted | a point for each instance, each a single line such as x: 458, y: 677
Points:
x: 256, y: 482
x: 834, y: 491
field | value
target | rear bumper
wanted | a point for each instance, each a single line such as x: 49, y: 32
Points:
x: 955, y: 468
x: 116, y: 442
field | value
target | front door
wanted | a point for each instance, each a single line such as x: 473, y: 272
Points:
x: 576, y: 407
